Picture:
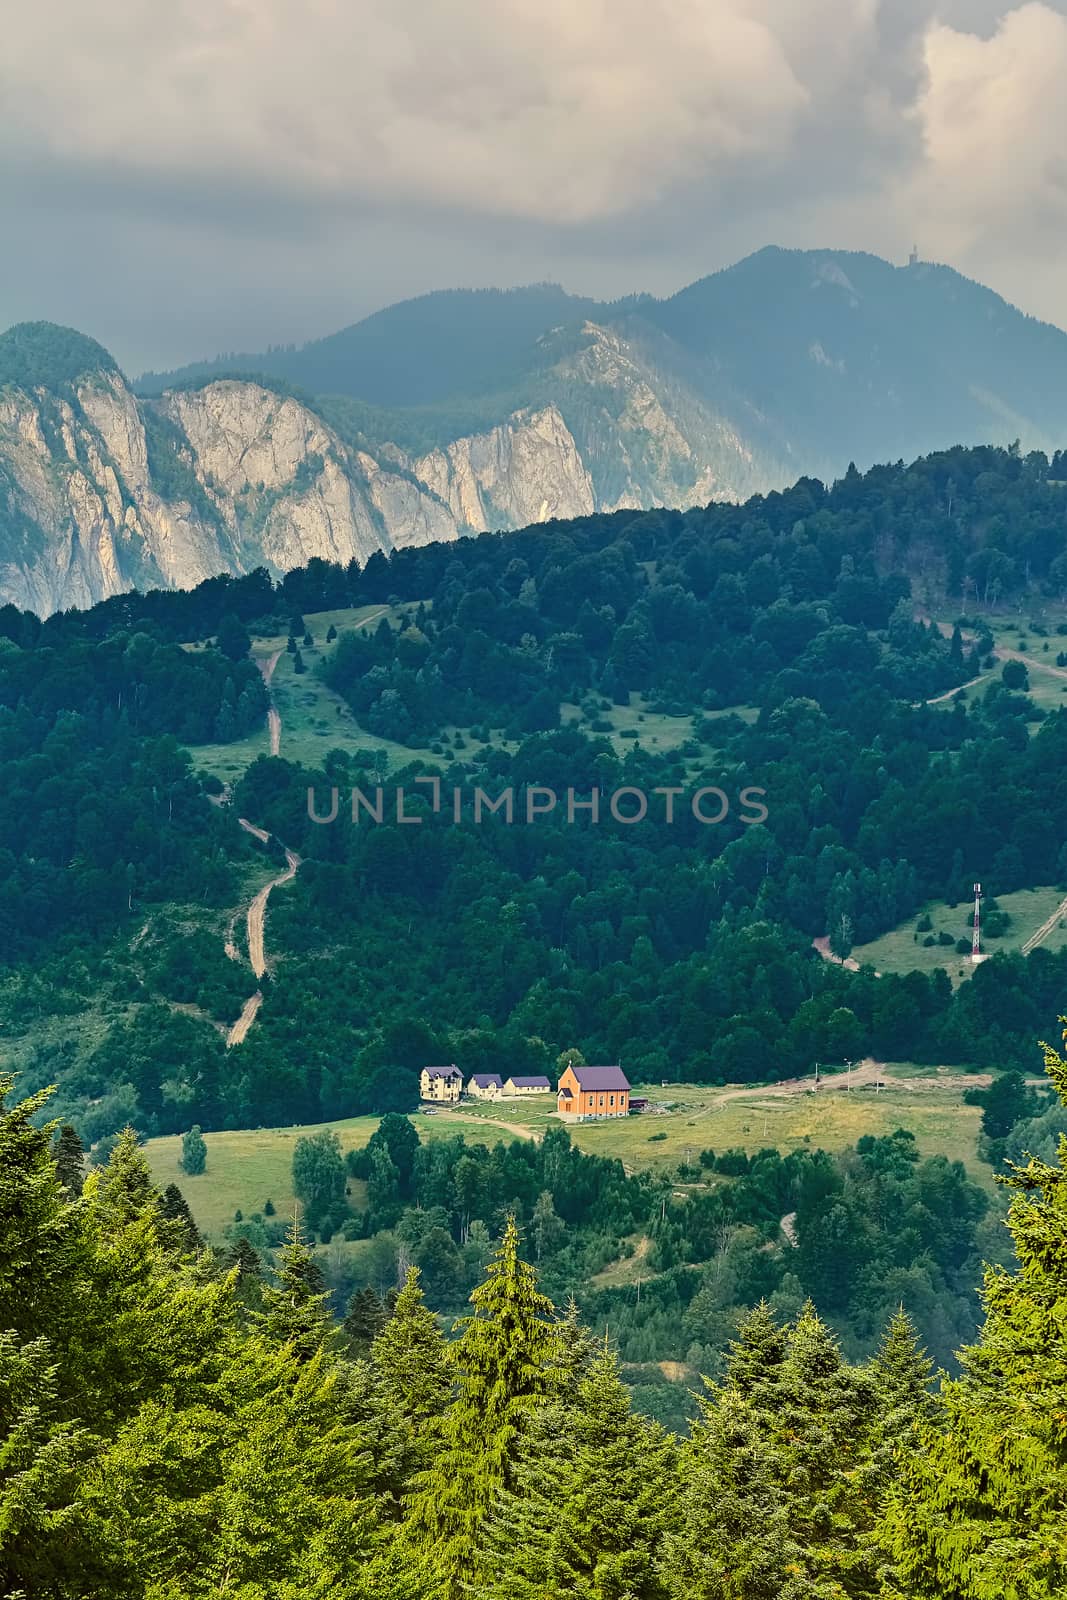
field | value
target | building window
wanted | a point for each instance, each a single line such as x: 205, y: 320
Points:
x: 611, y: 1099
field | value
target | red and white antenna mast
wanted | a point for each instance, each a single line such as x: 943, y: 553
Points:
x: 976, y: 940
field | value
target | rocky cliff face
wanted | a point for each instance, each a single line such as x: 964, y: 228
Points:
x: 101, y: 492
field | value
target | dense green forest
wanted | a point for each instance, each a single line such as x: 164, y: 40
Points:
x: 868, y: 1230
x: 682, y: 950
x: 179, y: 1423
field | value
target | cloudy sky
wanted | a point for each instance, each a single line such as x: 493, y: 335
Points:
x: 204, y: 175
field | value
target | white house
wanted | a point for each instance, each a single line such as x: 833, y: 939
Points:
x: 442, y: 1085
x: 485, y: 1086
x: 513, y: 1086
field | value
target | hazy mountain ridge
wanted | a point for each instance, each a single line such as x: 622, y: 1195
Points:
x: 101, y: 492
x: 465, y: 411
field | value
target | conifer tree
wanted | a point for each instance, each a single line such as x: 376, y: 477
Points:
x: 174, y: 1210
x: 980, y: 1512
x: 902, y: 1376
x: 194, y: 1151
x: 782, y: 1443
x: 506, y: 1361
x: 594, y: 1494
x: 39, y: 1240
x: 365, y: 1319
x: 409, y: 1353
x: 578, y: 1348
x: 296, y: 1310
x: 734, y: 1542
x: 245, y: 1258
x: 43, y: 1545
x: 69, y: 1153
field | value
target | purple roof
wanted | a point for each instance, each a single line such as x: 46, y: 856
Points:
x: 530, y: 1083
x: 592, y: 1079
x: 484, y: 1079
x: 444, y: 1072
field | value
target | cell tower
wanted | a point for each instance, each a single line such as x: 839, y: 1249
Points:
x: 976, y: 939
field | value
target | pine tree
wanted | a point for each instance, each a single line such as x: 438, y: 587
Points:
x: 245, y: 1258
x: 594, y: 1494
x: 902, y: 1375
x: 409, y: 1352
x: 507, y: 1361
x: 40, y: 1244
x: 735, y: 1541
x: 124, y: 1191
x: 578, y: 1347
x: 980, y: 1512
x: 43, y: 1545
x: 174, y: 1210
x: 69, y: 1153
x: 364, y: 1320
x: 783, y: 1443
x: 296, y: 1311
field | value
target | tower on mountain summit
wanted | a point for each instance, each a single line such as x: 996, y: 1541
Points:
x: 913, y: 259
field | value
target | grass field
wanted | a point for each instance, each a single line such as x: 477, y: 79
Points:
x: 315, y: 720
x: 637, y: 723
x: 247, y: 1168
x: 1048, y: 689
x: 901, y: 951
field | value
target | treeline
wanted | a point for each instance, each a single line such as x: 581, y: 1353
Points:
x: 176, y: 1424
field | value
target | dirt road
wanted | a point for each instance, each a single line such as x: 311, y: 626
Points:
x: 1045, y: 929
x: 939, y: 699
x: 257, y: 912
x: 266, y: 665
x: 240, y: 1028
x: 849, y: 963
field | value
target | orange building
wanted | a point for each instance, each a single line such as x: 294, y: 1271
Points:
x: 589, y: 1092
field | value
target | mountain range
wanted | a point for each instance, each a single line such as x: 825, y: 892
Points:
x: 472, y: 410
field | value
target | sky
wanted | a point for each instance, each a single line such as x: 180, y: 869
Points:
x: 201, y: 176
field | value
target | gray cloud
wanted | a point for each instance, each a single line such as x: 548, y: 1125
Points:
x: 222, y: 173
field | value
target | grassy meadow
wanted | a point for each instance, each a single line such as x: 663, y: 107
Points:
x: 902, y: 949
x: 315, y: 720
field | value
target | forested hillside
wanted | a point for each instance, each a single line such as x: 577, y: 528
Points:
x: 782, y: 635
x: 181, y: 1423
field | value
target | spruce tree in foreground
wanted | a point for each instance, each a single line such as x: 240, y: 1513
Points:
x: 595, y: 1491
x: 506, y: 1361
x: 366, y: 1317
x: 778, y: 1503
x: 981, y: 1510
x: 296, y: 1309
x: 410, y: 1354
x: 174, y: 1208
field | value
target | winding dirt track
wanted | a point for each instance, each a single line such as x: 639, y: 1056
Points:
x: 257, y: 910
